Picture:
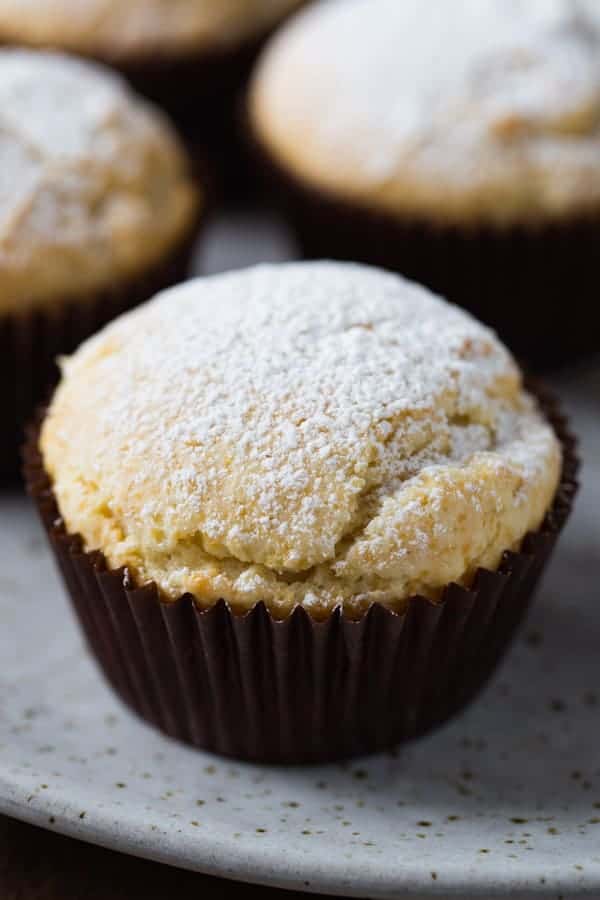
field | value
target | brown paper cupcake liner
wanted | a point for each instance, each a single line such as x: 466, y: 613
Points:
x: 31, y: 341
x: 537, y: 286
x: 195, y: 87
x: 299, y: 691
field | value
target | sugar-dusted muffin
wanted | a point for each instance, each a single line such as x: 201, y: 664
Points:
x: 98, y: 210
x: 324, y: 439
x: 319, y: 435
x: 190, y: 56
x: 461, y: 147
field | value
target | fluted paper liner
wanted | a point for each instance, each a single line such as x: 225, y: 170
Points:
x: 537, y: 285
x: 30, y: 343
x: 299, y: 691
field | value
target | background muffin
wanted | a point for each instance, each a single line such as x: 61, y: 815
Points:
x: 123, y: 32
x: 313, y: 438
x: 461, y: 148
x: 98, y: 211
x: 190, y: 56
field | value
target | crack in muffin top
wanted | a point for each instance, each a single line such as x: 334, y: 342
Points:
x: 315, y: 433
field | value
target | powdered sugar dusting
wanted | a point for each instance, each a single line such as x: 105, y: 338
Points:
x: 91, y: 180
x: 55, y: 110
x: 266, y: 426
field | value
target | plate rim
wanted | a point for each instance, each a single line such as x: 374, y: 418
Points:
x: 214, y: 858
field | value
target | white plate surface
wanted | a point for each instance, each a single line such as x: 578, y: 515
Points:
x: 504, y: 801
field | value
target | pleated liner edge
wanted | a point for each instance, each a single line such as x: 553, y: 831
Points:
x: 299, y: 691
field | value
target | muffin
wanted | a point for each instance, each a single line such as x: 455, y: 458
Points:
x: 98, y: 212
x: 189, y: 56
x: 299, y: 508
x: 461, y: 148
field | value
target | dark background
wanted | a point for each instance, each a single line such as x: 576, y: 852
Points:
x: 40, y: 865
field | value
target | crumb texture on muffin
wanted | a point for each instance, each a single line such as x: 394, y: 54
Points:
x: 314, y: 433
x: 125, y: 29
x: 94, y: 185
x: 475, y: 111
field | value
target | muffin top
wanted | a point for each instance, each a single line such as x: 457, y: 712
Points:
x: 123, y: 30
x: 485, y: 112
x: 94, y: 185
x: 314, y: 433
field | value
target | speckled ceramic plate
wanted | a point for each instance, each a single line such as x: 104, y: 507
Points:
x: 504, y: 801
